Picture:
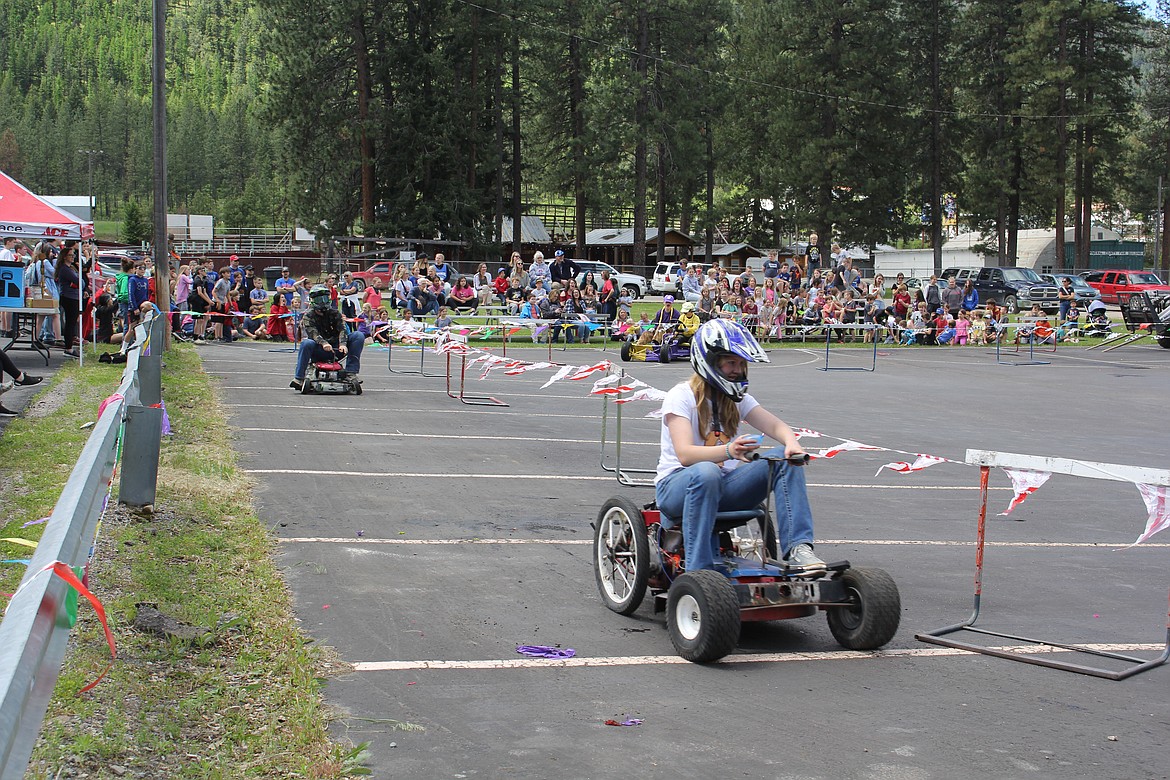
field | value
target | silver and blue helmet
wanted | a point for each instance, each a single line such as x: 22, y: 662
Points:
x: 717, y: 338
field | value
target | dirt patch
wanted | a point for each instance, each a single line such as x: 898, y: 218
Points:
x: 51, y: 400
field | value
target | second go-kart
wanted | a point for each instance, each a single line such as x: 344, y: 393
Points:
x: 660, y: 345
x: 638, y: 549
x: 330, y: 377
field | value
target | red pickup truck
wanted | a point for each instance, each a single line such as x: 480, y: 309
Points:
x: 1114, y: 285
x: 381, y: 271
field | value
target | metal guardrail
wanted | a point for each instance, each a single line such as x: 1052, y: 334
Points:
x: 36, y: 625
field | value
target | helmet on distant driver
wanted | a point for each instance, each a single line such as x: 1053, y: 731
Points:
x: 319, y: 295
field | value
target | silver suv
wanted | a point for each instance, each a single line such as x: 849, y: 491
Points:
x: 635, y: 284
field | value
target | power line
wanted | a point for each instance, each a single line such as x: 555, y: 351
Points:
x: 620, y: 49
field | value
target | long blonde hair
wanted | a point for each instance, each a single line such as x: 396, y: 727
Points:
x: 725, y: 408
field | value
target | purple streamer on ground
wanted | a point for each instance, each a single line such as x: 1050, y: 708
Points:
x: 543, y: 651
x: 35, y: 522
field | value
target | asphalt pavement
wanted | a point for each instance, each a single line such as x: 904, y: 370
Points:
x: 425, y: 539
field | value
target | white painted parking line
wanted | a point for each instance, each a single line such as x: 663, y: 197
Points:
x: 589, y: 478
x: 401, y: 435
x: 352, y: 541
x: 366, y: 388
x: 579, y: 662
x: 626, y: 420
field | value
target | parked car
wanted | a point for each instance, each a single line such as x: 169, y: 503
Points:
x: 961, y: 275
x: 667, y: 278
x: 635, y: 284
x: 1085, y: 293
x: 381, y: 270
x: 1016, y: 289
x: 1116, y: 284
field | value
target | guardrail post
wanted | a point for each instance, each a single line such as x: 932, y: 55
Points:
x: 150, y: 366
x: 140, y: 455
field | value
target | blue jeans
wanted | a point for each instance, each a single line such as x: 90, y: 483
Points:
x: 696, y: 493
x: 310, y: 351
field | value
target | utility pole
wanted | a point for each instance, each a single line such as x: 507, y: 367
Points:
x: 1158, y: 228
x: 162, y: 247
x: 90, y: 154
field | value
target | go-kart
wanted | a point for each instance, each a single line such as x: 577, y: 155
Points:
x: 663, y: 344
x: 330, y: 377
x: 637, y: 549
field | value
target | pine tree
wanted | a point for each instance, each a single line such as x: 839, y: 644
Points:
x: 136, y: 228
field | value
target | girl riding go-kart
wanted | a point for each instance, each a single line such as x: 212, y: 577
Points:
x: 708, y: 576
x: 704, y: 467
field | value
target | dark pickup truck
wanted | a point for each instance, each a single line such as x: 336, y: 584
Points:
x: 1013, y: 288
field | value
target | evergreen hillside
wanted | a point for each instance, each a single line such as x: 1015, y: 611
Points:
x: 77, y: 75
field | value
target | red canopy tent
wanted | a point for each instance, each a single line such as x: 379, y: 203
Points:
x: 28, y: 216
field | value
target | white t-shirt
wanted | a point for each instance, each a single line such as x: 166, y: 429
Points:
x: 681, y: 401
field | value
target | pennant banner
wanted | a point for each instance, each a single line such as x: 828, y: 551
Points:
x: 845, y: 446
x: 919, y: 463
x: 1025, y: 482
x: 1157, y: 498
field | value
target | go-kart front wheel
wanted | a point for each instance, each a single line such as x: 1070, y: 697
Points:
x: 625, y: 351
x: 664, y: 348
x: 871, y: 617
x: 621, y: 555
x: 702, y: 616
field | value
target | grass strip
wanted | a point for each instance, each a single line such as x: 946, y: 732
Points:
x: 240, y: 699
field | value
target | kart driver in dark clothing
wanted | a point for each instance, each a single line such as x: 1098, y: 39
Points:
x: 324, y: 331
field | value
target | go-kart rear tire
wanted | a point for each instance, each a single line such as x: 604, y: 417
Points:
x: 621, y: 555
x: 307, y: 387
x: 871, y: 620
x: 702, y: 616
x: 357, y: 388
x: 1164, y: 341
x: 625, y: 351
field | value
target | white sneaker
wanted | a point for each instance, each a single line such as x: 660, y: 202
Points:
x: 802, y: 557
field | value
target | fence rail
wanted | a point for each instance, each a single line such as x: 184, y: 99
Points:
x: 35, y: 628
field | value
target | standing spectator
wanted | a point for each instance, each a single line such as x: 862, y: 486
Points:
x: 1066, y: 295
x: 221, y: 325
x: 444, y: 271
x: 258, y: 296
x: 812, y: 254
x: 181, y: 293
x: 199, y: 301
x: 72, y: 287
x: 607, y: 296
x: 373, y: 295
x: 692, y: 285
x: 235, y: 275
x: 772, y: 265
x: 286, y: 286
x: 952, y: 298
x: 932, y: 294
x: 345, y: 304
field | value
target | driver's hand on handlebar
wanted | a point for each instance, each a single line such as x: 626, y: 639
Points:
x: 794, y: 451
x: 327, y: 347
x: 742, y: 447
x: 343, y: 349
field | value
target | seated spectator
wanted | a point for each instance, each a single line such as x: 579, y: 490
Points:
x: 280, y: 321
x: 423, y: 299
x: 620, y: 326
x: 463, y: 297
x: 373, y: 294
x: 500, y: 286
x: 253, y: 325
x: 946, y: 330
x: 516, y: 295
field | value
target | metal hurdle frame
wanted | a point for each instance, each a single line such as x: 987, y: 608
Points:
x: 421, y: 371
x: 987, y: 460
x: 1032, y: 360
x: 463, y: 397
x: 864, y: 326
x: 616, y: 469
